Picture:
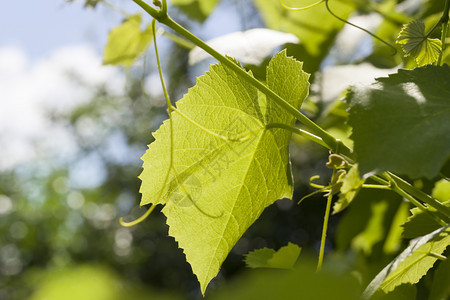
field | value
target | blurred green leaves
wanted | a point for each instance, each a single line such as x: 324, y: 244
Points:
x: 89, y: 282
x: 196, y: 9
x: 127, y: 42
x: 315, y: 27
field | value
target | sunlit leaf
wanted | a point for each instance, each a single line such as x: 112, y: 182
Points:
x: 411, y: 264
x: 416, y: 44
x: 126, y: 42
x: 214, y: 164
x: 401, y: 123
x: 284, y: 258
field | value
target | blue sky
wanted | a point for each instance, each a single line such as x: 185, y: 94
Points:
x: 39, y: 27
x: 40, y: 42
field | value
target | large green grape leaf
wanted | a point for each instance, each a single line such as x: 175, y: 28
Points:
x: 401, y: 123
x: 214, y: 164
x: 416, y: 44
x: 412, y: 263
x: 126, y: 42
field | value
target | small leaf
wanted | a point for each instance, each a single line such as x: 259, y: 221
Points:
x: 350, y: 187
x: 196, y: 9
x: 416, y: 44
x: 284, y: 258
x: 401, y: 123
x: 420, y: 223
x: 126, y: 42
x: 411, y: 264
x: 214, y: 164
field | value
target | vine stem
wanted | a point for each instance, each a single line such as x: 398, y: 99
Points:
x: 328, y: 139
x: 397, y: 185
x: 325, y: 226
x: 298, y: 131
x: 404, y: 185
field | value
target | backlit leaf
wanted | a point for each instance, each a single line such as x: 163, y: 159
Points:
x: 417, y: 264
x: 411, y: 264
x: 284, y: 258
x: 126, y: 42
x: 416, y: 44
x: 214, y: 164
x: 401, y: 123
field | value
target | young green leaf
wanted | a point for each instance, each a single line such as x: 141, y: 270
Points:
x: 420, y: 223
x: 196, y: 9
x: 214, y: 164
x: 284, y: 258
x: 416, y: 44
x: 401, y: 123
x: 350, y: 187
x: 126, y: 42
x: 412, y: 263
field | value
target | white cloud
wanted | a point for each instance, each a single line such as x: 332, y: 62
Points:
x: 59, y: 82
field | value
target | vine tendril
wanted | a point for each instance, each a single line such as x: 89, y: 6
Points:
x: 301, y: 8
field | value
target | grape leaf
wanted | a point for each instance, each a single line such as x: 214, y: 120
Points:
x: 401, y: 123
x: 415, y: 43
x: 126, y: 42
x: 284, y: 258
x: 350, y: 187
x: 214, y: 164
x: 420, y: 223
x: 411, y: 264
x: 417, y: 264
